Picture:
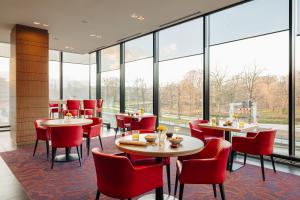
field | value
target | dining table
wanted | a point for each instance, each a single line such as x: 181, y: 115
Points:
x: 68, y: 156
x: 135, y: 116
x: 188, y: 146
x: 235, y: 127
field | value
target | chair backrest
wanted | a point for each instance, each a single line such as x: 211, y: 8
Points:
x: 114, y: 173
x: 148, y: 123
x: 66, y: 136
x: 73, y: 104
x: 99, y: 103
x: 194, y: 123
x: 53, y: 105
x: 206, y: 131
x: 197, y: 134
x: 37, y: 123
x: 89, y: 104
x: 122, y: 119
x: 264, y: 141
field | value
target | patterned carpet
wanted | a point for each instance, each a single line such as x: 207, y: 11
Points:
x: 69, y: 181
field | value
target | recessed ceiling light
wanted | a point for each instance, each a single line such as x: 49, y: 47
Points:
x: 92, y: 35
x: 36, y: 23
x: 46, y: 25
x: 67, y: 47
x: 133, y: 15
x: 141, y: 18
x: 138, y: 17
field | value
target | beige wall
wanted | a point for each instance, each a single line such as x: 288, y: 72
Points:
x: 29, y: 92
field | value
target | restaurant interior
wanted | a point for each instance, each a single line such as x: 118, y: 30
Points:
x: 150, y: 100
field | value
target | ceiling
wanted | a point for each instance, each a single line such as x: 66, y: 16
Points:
x: 71, y: 22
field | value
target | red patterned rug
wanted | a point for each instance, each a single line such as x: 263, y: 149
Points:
x: 69, y: 181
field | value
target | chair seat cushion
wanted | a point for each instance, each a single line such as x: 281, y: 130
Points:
x: 87, y: 112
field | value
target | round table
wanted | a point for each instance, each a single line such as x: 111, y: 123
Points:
x: 188, y: 146
x: 67, y: 157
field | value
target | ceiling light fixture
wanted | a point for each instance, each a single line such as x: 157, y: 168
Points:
x: 36, y: 23
x: 141, y: 18
x: 92, y: 35
x: 67, y: 47
x: 138, y: 17
x: 45, y: 25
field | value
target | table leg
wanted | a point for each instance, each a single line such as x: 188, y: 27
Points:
x: 67, y: 157
x: 159, y: 192
x: 235, y: 166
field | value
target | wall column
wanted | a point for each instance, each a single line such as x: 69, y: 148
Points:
x: 29, y: 93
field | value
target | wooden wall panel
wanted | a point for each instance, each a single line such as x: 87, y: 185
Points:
x: 29, y: 93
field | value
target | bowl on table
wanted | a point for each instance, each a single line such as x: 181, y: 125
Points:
x: 150, y: 138
x: 175, y: 142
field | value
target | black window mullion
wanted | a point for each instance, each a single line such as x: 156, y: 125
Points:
x: 61, y: 93
x: 98, y: 76
x: 206, y: 68
x: 122, y: 77
x: 156, y: 75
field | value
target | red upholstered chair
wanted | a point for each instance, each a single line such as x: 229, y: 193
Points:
x: 143, y: 160
x: 146, y: 124
x: 91, y: 131
x: 89, y: 107
x: 206, y: 167
x: 53, y: 108
x: 260, y: 143
x: 99, y: 105
x: 123, y: 123
x: 65, y: 137
x: 206, y: 133
x: 73, y: 107
x: 42, y: 133
x: 118, y: 178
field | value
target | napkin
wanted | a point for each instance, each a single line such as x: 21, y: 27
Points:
x: 132, y: 142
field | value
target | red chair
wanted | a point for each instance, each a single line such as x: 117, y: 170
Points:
x: 53, y: 107
x: 123, y: 123
x: 143, y: 160
x: 88, y: 108
x: 73, y: 107
x: 42, y: 133
x: 92, y: 130
x: 146, y: 124
x: 65, y: 137
x: 118, y: 178
x: 206, y: 167
x: 260, y: 143
x: 99, y: 107
x: 206, y: 133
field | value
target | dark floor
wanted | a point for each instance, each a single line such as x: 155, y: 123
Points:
x: 12, y: 190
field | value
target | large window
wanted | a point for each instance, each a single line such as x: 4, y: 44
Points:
x: 180, y: 76
x: 110, y: 82
x: 297, y: 83
x: 249, y: 77
x: 139, y: 74
x: 54, y: 75
x: 75, y: 76
x: 4, y: 83
x: 93, y: 75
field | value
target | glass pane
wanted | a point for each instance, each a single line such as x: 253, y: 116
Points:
x: 76, y: 58
x: 75, y: 81
x: 54, y: 55
x: 249, y: 19
x: 110, y: 58
x: 139, y: 48
x: 253, y: 70
x: 4, y: 91
x: 139, y: 85
x: 54, y: 80
x: 110, y: 93
x: 297, y: 96
x: 4, y: 50
x: 181, y: 40
x: 298, y: 17
x: 93, y: 75
x: 180, y: 88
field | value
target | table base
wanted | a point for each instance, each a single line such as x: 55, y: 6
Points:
x: 152, y: 197
x: 64, y: 158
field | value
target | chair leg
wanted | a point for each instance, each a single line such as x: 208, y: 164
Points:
x: 100, y: 142
x: 273, y: 164
x: 262, y: 166
x: 36, y: 143
x: 231, y: 160
x: 222, y: 191
x: 159, y: 193
x: 77, y: 148
x: 116, y: 130
x: 181, y: 187
x: 245, y: 158
x: 47, y: 147
x: 169, y: 178
x: 88, y: 146
x: 81, y: 150
x: 215, y: 190
x: 98, y: 195
x: 53, y: 157
x: 176, y: 182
